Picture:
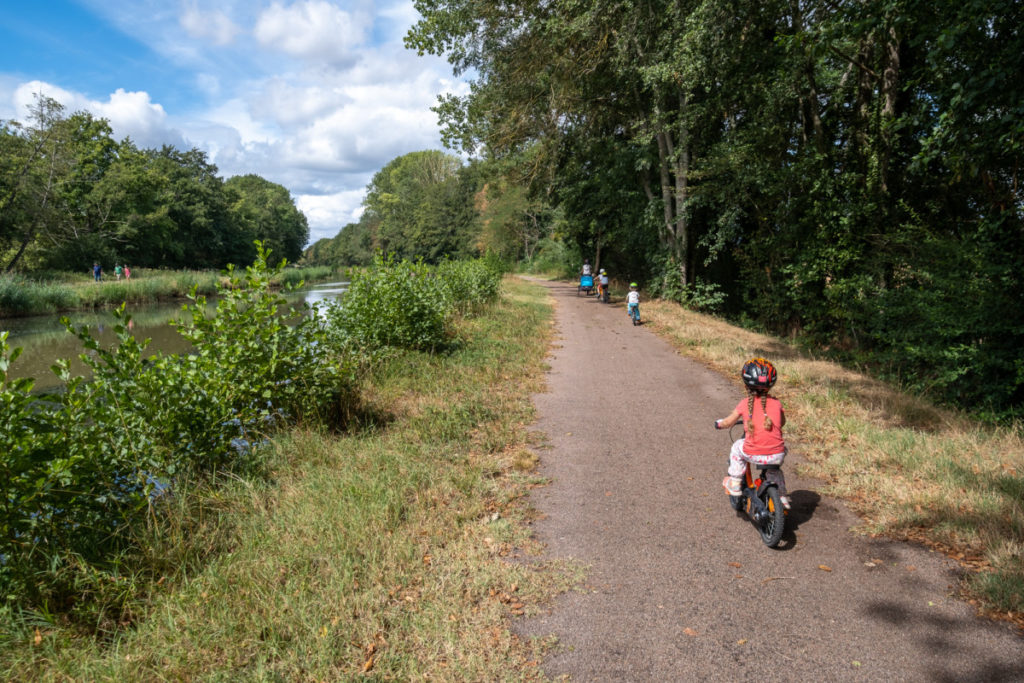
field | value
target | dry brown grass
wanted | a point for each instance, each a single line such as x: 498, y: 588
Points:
x: 912, y: 470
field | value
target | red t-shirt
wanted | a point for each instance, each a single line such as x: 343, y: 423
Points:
x: 761, y: 441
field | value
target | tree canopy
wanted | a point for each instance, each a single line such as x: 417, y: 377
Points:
x: 419, y: 206
x: 844, y: 171
x: 70, y: 194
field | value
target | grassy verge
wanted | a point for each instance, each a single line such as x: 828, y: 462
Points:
x: 23, y: 296
x: 382, y: 553
x: 912, y: 470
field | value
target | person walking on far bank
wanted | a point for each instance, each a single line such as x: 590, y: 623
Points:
x: 127, y: 272
x: 117, y: 272
x: 97, y: 272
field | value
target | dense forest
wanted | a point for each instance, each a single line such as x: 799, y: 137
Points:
x: 846, y: 173
x: 70, y: 194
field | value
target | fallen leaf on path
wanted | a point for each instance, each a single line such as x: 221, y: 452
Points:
x: 38, y: 637
x: 368, y: 664
x: 737, y: 565
x: 869, y: 564
x: 776, y: 578
x: 741, y: 641
x: 911, y: 568
x: 855, y: 663
x: 824, y: 567
x: 689, y: 632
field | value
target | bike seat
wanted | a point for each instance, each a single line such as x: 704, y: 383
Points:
x: 764, y: 468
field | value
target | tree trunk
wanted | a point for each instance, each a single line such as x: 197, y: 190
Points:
x: 890, y: 93
x: 682, y: 194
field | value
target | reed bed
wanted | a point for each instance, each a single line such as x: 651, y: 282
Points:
x: 23, y: 295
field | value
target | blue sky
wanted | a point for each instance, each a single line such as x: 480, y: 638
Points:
x: 314, y: 94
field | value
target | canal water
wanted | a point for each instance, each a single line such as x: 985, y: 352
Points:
x: 44, y: 339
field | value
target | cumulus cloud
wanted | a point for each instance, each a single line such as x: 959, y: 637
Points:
x: 327, y: 214
x: 214, y: 26
x: 291, y: 103
x: 131, y: 114
x: 311, y: 94
x: 315, y: 31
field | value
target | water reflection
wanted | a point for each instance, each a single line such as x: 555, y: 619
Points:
x: 44, y: 339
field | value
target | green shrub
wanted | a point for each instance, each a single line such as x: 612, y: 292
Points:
x: 470, y: 283
x: 86, y: 474
x: 705, y: 297
x: 551, y: 257
x: 395, y: 303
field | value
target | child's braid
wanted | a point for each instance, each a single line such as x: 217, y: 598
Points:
x: 764, y: 409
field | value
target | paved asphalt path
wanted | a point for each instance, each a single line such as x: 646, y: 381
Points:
x: 679, y: 587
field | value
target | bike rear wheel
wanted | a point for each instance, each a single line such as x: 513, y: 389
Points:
x: 774, y: 524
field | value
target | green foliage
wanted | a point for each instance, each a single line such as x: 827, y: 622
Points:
x: 71, y: 195
x: 21, y: 296
x: 419, y: 206
x: 87, y: 472
x: 265, y: 211
x: 471, y: 284
x: 395, y: 303
x: 706, y: 297
x: 552, y: 257
x: 402, y: 304
x: 847, y: 173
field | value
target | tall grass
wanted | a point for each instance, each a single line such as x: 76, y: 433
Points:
x: 22, y: 295
x: 381, y: 553
x: 912, y: 470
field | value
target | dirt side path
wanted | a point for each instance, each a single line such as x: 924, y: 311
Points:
x: 679, y: 587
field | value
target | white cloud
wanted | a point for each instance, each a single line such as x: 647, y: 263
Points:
x: 214, y: 25
x: 291, y: 103
x: 131, y: 114
x: 327, y: 214
x: 314, y: 95
x: 236, y: 114
x: 315, y: 31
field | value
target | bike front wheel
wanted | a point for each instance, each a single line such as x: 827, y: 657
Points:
x: 774, y: 524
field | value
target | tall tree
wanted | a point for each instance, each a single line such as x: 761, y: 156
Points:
x: 265, y: 211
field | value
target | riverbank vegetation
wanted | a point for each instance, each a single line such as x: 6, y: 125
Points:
x: 54, y: 292
x: 71, y: 195
x: 912, y: 470
x: 124, y: 489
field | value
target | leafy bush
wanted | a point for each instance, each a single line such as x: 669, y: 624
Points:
x: 552, y: 257
x: 396, y: 303
x: 470, y: 283
x: 410, y: 305
x: 86, y: 474
x: 706, y: 297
